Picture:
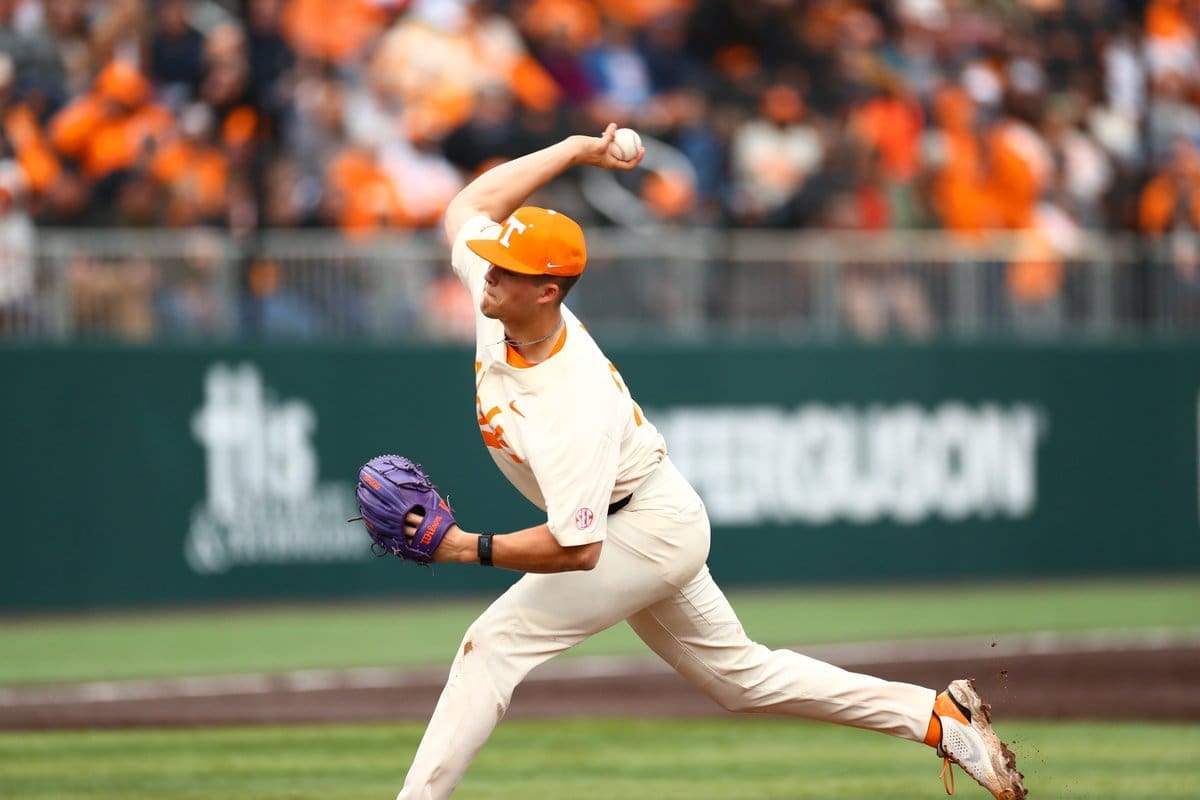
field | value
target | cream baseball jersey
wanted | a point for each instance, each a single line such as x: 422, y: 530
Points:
x: 565, y: 432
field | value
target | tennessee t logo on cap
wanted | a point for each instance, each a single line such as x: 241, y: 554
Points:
x: 535, y: 241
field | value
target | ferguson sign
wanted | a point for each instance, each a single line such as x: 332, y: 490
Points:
x: 820, y: 463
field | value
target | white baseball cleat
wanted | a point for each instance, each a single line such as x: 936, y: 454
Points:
x: 969, y: 741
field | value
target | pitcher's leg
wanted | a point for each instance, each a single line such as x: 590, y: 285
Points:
x: 697, y: 632
x: 489, y: 664
x: 537, y: 618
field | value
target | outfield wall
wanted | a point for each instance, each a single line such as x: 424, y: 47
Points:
x: 169, y: 475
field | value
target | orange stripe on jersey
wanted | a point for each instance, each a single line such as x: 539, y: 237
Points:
x: 493, y: 435
x: 612, y: 368
x: 496, y: 442
x: 492, y: 440
x: 616, y: 376
x: 515, y: 359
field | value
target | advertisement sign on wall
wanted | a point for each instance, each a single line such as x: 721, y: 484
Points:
x: 264, y: 502
x: 154, y: 475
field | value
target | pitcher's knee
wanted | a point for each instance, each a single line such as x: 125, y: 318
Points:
x: 485, y: 638
x: 737, y: 684
x: 733, y: 695
x: 497, y: 650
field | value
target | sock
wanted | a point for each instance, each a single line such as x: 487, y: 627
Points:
x: 933, y: 735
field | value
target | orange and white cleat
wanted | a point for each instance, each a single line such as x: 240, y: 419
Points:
x: 969, y: 741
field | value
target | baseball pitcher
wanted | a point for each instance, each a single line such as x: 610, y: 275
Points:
x: 624, y: 537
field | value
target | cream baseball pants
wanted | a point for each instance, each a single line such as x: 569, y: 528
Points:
x: 651, y: 574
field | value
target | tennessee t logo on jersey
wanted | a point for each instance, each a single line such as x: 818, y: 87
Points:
x: 492, y: 432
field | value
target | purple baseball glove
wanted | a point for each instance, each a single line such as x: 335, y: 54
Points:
x: 391, y: 486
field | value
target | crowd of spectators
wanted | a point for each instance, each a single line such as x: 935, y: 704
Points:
x: 368, y: 115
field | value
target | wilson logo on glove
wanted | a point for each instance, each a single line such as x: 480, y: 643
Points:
x: 390, y: 487
x: 429, y: 534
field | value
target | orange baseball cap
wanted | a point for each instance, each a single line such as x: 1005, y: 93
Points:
x: 536, y: 241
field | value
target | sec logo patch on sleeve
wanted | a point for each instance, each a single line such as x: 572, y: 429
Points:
x: 584, y: 518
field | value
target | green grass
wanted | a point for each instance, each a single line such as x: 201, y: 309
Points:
x: 211, y: 642
x: 730, y: 759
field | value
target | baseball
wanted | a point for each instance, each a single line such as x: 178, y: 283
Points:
x: 625, y: 144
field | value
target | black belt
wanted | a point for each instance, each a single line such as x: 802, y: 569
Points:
x: 617, y: 506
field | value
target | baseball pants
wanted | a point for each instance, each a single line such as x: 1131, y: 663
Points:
x: 652, y: 574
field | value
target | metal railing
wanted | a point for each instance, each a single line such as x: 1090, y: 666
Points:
x: 668, y: 283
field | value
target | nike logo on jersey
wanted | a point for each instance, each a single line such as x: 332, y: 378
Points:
x: 513, y: 405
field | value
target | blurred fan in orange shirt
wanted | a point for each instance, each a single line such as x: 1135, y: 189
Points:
x: 1172, y: 197
x: 361, y: 196
x: 32, y: 150
x: 575, y: 23
x: 961, y: 197
x: 892, y: 124
x: 1020, y: 165
x: 193, y: 169
x: 331, y: 30
x: 114, y: 126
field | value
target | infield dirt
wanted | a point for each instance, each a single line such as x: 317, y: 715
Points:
x: 1126, y: 684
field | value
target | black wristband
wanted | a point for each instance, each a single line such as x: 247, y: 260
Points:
x: 484, y: 548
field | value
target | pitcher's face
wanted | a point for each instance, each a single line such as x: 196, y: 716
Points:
x: 508, y: 295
